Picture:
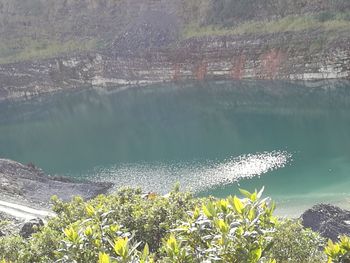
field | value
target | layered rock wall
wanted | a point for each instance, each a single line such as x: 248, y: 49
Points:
x: 284, y: 56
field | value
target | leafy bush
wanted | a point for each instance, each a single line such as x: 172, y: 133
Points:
x: 292, y: 243
x: 87, y: 229
x: 231, y: 230
x: 338, y: 252
x: 129, y: 226
x: 100, y: 239
x: 13, y: 249
x: 149, y: 216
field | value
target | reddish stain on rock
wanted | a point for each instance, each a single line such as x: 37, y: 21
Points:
x: 237, y: 71
x: 270, y: 63
x: 177, y: 72
x: 201, y: 70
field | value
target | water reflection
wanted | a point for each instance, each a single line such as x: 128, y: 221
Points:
x: 194, y: 176
x: 198, y: 125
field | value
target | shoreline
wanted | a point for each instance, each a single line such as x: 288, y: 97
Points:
x: 45, y: 97
x: 294, y: 209
x: 29, y: 183
x: 18, y: 207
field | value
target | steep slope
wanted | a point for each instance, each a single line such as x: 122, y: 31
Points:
x: 52, y: 45
x: 36, y: 29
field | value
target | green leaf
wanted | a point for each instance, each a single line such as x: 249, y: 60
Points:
x: 90, y: 210
x: 345, y: 243
x: 121, y: 247
x: 222, y: 225
x: 256, y: 254
x: 88, y: 231
x: 103, y: 258
x: 251, y: 214
x: 223, y: 204
x: 253, y: 197
x: 71, y: 234
x: 261, y: 192
x: 209, y: 210
x: 245, y: 193
x: 172, y: 244
x: 238, y: 205
x: 145, y: 253
x: 196, y: 213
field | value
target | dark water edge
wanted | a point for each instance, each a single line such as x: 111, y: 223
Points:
x: 194, y: 132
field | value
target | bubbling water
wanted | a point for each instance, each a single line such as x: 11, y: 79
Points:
x: 194, y: 176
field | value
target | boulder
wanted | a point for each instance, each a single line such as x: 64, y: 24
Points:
x: 30, y: 227
x: 328, y: 220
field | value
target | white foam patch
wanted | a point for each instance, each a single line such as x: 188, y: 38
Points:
x: 195, y: 176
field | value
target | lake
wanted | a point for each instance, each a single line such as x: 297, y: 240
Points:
x: 212, y: 137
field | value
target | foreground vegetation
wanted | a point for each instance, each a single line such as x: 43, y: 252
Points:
x: 129, y: 226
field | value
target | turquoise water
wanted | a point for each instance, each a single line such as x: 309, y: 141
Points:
x: 294, y: 139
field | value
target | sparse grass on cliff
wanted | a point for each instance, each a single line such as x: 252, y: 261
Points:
x: 286, y: 24
x: 27, y: 49
x: 34, y: 29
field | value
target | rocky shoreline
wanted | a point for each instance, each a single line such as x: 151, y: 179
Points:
x: 29, y: 182
x: 328, y: 220
x: 28, y: 185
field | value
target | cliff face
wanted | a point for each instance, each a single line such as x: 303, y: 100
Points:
x: 137, y: 43
x: 285, y: 56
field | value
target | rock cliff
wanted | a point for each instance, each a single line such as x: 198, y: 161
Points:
x: 285, y: 56
x: 134, y: 43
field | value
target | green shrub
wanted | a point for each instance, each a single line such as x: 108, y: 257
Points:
x: 228, y: 230
x: 145, y: 218
x: 129, y: 226
x: 100, y: 239
x: 149, y: 216
x: 292, y: 243
x: 14, y: 249
x: 338, y: 252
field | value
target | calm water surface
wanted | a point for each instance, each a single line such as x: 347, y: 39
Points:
x: 294, y: 139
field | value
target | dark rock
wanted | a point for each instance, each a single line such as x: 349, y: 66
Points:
x: 328, y: 220
x: 1, y: 234
x: 32, y: 184
x: 31, y: 227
